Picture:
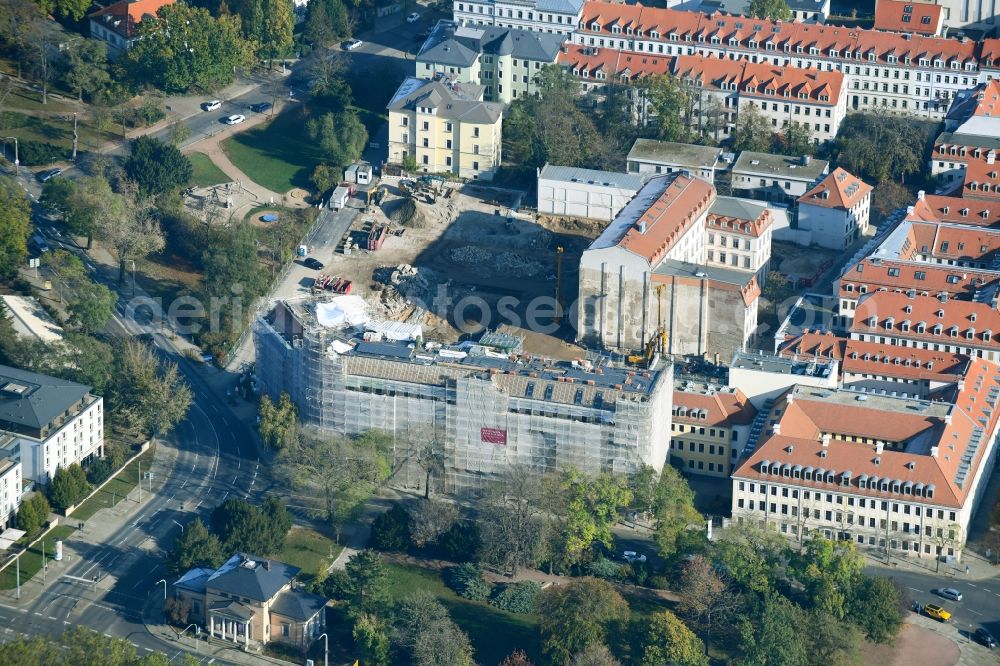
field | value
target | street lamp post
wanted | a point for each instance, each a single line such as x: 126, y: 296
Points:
x: 132, y: 261
x: 17, y: 162
x: 164, y: 581
x: 326, y: 650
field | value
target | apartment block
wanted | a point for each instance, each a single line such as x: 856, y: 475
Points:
x: 505, y: 61
x: 11, y: 488
x: 446, y: 127
x: 649, y: 156
x: 836, y: 211
x: 777, y: 178
x: 919, y: 17
x: 709, y: 427
x: 574, y: 192
x: 971, y: 133
x: 557, y: 17
x: 51, y: 422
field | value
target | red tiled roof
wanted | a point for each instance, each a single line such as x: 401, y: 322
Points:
x: 739, y: 226
x: 982, y: 180
x: 939, y: 319
x: 612, y: 63
x: 124, y: 17
x: 722, y: 408
x: 908, y: 16
x: 669, y: 217
x: 990, y: 52
x: 762, y: 80
x: 936, y: 208
x: 840, y: 189
x: 902, y: 276
x: 988, y: 100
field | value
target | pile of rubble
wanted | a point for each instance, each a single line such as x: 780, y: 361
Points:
x: 406, y: 213
x: 400, y: 286
x: 510, y: 263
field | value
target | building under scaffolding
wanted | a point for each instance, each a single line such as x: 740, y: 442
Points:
x: 484, y: 409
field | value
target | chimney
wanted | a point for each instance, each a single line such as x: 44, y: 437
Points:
x: 790, y: 399
x: 920, y: 195
x: 806, y: 159
x: 934, y: 452
x: 642, y: 227
x: 826, y: 439
x: 947, y: 418
x: 267, y: 565
x: 776, y: 428
x: 879, y: 446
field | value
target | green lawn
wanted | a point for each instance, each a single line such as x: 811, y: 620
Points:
x: 494, y: 633
x: 31, y: 560
x: 307, y: 549
x: 277, y: 155
x: 57, y: 131
x: 204, y: 172
x: 116, y: 490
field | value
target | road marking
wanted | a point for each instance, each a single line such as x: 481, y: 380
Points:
x: 54, y: 619
x: 38, y: 614
x: 148, y: 649
x: 914, y: 589
x: 65, y: 621
x: 972, y: 611
x: 972, y: 585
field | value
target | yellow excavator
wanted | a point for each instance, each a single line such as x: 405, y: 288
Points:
x: 658, y: 341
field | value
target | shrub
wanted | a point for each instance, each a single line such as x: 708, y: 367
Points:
x: 391, y: 530
x: 606, y: 569
x: 460, y: 543
x: 467, y: 580
x: 517, y: 597
x: 98, y: 471
x: 39, y: 153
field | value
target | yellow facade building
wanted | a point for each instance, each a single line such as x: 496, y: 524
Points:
x: 709, y: 427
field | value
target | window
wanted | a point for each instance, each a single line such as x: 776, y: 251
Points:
x: 475, y: 132
x: 427, y: 126
x: 285, y: 629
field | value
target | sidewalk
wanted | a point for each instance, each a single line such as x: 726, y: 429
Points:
x: 978, y: 569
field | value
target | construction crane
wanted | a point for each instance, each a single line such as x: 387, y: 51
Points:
x: 657, y: 343
x: 559, y: 307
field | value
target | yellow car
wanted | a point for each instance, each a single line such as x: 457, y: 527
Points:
x: 937, y: 613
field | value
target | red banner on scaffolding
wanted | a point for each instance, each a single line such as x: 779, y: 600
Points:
x: 493, y: 436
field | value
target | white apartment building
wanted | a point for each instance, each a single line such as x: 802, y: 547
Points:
x: 574, y: 192
x: 51, y: 422
x: 836, y: 211
x: 558, y: 17
x: 11, y: 489
x: 738, y: 236
x: 910, y: 74
x: 649, y: 156
x: 777, y: 178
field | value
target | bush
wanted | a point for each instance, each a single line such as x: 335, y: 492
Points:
x: 517, y: 597
x: 460, y: 543
x: 34, y: 513
x: 39, y: 153
x: 659, y: 582
x: 68, y: 486
x: 606, y: 569
x: 98, y: 471
x: 391, y: 530
x: 468, y: 582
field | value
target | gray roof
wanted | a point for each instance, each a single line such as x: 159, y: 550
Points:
x: 32, y: 401
x: 627, y: 181
x: 254, y: 577
x: 741, y: 209
x: 451, y: 44
x: 298, y: 605
x: 780, y: 165
x: 954, y: 138
x: 808, y: 5
x: 559, y: 6
x: 685, y: 269
x: 453, y: 101
x: 195, y: 579
x: 683, y: 154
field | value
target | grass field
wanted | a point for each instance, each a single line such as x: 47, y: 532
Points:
x: 277, y: 155
x: 55, y: 130
x: 307, y: 549
x: 116, y: 490
x: 494, y: 633
x: 204, y: 172
x: 31, y: 560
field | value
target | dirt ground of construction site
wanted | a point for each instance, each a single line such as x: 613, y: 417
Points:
x: 474, y: 242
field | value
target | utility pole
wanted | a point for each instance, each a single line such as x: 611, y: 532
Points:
x: 17, y: 562
x: 76, y: 136
x: 139, y: 462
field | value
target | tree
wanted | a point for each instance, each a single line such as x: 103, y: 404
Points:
x: 187, y: 49
x: 179, y: 133
x: 428, y: 636
x: 74, y: 10
x: 887, y: 197
x: 832, y: 641
x: 91, y: 306
x: 81, y: 202
x: 706, y: 599
x: 510, y: 522
x: 430, y: 458
x: 391, y: 530
x: 431, y: 519
x: 753, y: 132
x: 368, y: 589
x: 275, y: 37
x: 15, y: 225
x: 770, y: 9
x: 84, y: 67
x: 127, y: 224
x: 795, y: 140
x: 576, y: 615
x: 879, y: 146
x: 668, y: 101
x: 774, y: 636
x: 342, y: 136
x: 875, y: 609
x: 516, y: 658
x: 673, y: 510
x: 177, y: 610
x: 88, y: 361
x: 828, y: 571
x: 157, y: 167
x: 751, y: 556
x: 592, y: 506
x: 34, y: 513
x: 324, y: 178
x: 595, y: 654
x: 461, y: 542
x: 371, y: 639
x: 78, y: 647
x: 194, y: 547
x: 468, y: 582
x: 279, y: 423
x: 326, y: 23
x: 18, y: 21
x: 668, y: 641
x: 242, y: 526
x: 43, y: 47
x: 149, y: 395
x: 68, y: 486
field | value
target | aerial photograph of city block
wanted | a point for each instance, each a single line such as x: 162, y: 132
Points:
x: 499, y: 332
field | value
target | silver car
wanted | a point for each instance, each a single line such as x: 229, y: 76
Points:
x: 950, y: 593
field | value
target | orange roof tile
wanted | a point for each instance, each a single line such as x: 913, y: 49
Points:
x: 936, y: 208
x: 953, y: 321
x: 840, y: 189
x: 989, y: 52
x: 668, y: 218
x: 722, y: 408
x: 908, y: 16
x: 988, y: 100
x: 129, y: 14
x: 982, y: 180
x: 761, y: 80
x: 587, y: 61
x: 741, y: 226
x: 923, y: 278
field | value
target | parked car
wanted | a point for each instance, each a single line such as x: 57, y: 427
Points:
x: 413, y: 18
x: 234, y: 119
x: 313, y: 263
x: 631, y: 556
x: 936, y: 612
x: 46, y: 176
x: 40, y: 243
x: 984, y: 637
x: 950, y: 593
x: 352, y: 44
x: 262, y: 107
x: 212, y: 105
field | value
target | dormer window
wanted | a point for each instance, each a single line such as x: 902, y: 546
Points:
x: 953, y: 331
x: 987, y: 335
x: 970, y: 334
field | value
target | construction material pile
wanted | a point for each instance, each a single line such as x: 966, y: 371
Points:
x: 407, y: 213
x: 509, y: 263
